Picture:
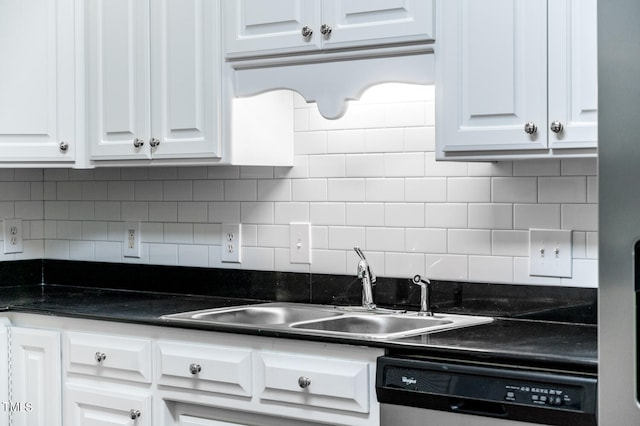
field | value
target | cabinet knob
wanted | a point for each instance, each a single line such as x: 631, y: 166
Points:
x: 195, y: 368
x: 304, y: 382
x: 325, y: 29
x: 306, y: 32
x: 530, y: 128
x: 137, y: 143
x: 100, y: 356
x: 64, y: 146
x: 154, y: 142
x: 556, y: 127
x: 134, y: 414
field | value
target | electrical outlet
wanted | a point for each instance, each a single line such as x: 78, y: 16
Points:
x: 131, y: 239
x: 12, y: 236
x: 231, y: 242
x: 300, y: 242
x: 550, y: 253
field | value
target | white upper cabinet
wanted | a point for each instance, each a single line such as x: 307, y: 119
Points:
x: 256, y: 27
x: 153, y: 79
x: 37, y: 82
x: 516, y: 79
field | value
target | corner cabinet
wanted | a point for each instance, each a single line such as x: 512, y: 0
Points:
x: 516, y: 79
x: 38, y: 83
x: 153, y: 79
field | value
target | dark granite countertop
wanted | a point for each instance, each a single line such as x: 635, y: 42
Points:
x: 528, y: 342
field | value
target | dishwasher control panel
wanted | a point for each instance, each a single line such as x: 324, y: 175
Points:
x: 517, y: 394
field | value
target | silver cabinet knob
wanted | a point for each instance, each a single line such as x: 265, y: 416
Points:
x: 154, y: 142
x: 64, y: 146
x: 306, y: 32
x: 304, y: 382
x: 556, y: 127
x: 134, y: 414
x: 530, y: 128
x: 137, y: 143
x: 100, y: 356
x: 195, y: 368
x: 325, y: 29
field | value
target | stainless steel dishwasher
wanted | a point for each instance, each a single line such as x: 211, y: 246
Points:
x: 426, y: 392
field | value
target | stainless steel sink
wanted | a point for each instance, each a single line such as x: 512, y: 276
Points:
x: 262, y: 315
x: 327, y: 320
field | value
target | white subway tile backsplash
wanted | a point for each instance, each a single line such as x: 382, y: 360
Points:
x: 384, y: 190
x: 491, y: 269
x: 514, y: 189
x: 580, y: 217
x: 367, y: 179
x: 274, y: 190
x: 291, y: 212
x: 447, y: 267
x: 332, y: 165
x: 448, y: 215
x: 469, y: 241
x: 404, y: 164
x: 469, y: 190
x: 425, y: 240
x: 562, y: 189
x: 257, y: 212
x: 545, y: 216
x: 491, y: 216
x: 404, y: 215
x: 365, y: 165
x: 385, y: 239
x: 327, y: 213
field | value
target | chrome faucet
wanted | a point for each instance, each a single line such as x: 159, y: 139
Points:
x: 368, y: 278
x: 425, y: 295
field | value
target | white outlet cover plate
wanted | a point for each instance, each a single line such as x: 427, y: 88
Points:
x: 12, y: 243
x: 231, y: 243
x: 134, y: 249
x: 550, y: 253
x: 300, y: 242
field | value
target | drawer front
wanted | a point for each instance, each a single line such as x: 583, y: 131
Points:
x: 313, y: 381
x: 108, y: 356
x: 209, y: 368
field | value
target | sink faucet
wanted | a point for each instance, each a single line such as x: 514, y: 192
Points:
x: 368, y: 278
x: 425, y: 295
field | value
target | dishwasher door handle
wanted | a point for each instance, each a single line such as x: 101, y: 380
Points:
x: 478, y: 408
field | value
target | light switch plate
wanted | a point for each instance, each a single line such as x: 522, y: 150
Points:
x: 550, y: 253
x: 230, y: 240
x: 300, y: 242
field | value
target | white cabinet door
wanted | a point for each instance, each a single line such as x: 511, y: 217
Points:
x: 573, y: 73
x: 185, y: 78
x: 4, y: 372
x: 492, y: 75
x: 37, y: 80
x: 198, y: 421
x: 259, y: 27
x: 87, y: 406
x: 36, y: 384
x: 363, y: 22
x: 118, y: 81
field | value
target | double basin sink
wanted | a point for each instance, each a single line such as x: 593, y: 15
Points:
x: 327, y: 320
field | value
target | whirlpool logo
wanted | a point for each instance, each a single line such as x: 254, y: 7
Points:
x: 409, y: 380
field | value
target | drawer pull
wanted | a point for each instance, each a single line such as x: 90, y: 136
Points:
x: 195, y: 368
x: 100, y: 356
x: 304, y: 382
x: 134, y: 414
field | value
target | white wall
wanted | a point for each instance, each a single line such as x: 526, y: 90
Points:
x: 368, y: 179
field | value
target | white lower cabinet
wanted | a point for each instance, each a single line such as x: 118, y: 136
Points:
x: 110, y: 373
x: 35, y: 385
x: 102, y: 406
